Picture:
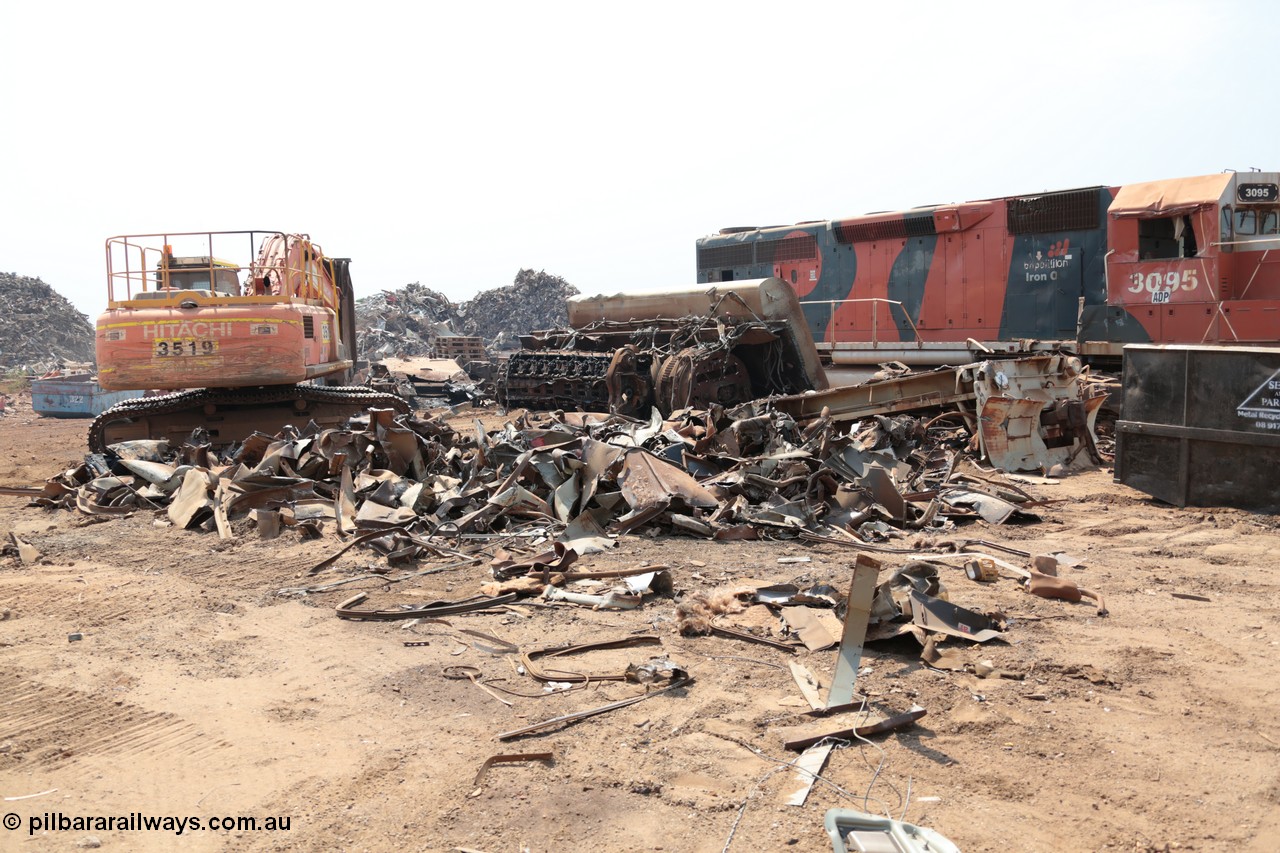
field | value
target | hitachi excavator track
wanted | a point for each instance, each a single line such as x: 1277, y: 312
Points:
x: 232, y: 414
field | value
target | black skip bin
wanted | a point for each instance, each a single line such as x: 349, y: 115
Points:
x: 1201, y: 425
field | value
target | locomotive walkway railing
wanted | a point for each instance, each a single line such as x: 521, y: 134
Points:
x: 875, y: 318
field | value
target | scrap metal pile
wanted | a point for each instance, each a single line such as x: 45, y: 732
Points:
x: 39, y: 328
x: 403, y: 322
x: 534, y: 300
x: 427, y: 382
x: 576, y: 477
x: 411, y: 321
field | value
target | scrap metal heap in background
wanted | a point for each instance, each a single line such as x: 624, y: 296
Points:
x: 39, y: 328
x: 419, y: 321
x: 533, y: 300
x: 405, y: 322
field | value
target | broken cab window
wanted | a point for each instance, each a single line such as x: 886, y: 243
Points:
x: 1168, y: 237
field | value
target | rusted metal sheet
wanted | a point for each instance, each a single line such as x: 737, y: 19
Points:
x: 862, y: 588
x: 1032, y: 412
x: 915, y: 391
x: 1201, y: 425
x: 807, y: 736
x: 648, y: 482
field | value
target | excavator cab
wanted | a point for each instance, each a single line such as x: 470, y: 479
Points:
x: 198, y: 273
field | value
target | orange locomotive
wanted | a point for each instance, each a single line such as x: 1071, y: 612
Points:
x: 1186, y: 260
x: 256, y: 339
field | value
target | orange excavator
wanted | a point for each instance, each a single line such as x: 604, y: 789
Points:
x: 246, y: 346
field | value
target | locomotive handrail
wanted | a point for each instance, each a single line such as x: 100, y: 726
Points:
x: 875, y: 316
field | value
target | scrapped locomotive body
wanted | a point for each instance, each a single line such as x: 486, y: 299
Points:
x: 1189, y: 260
x: 251, y: 335
x: 674, y: 348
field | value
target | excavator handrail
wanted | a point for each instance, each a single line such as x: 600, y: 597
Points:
x: 142, y: 268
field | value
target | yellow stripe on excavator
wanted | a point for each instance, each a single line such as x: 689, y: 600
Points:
x: 219, y: 320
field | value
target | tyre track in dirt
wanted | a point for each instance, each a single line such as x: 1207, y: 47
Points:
x: 50, y: 724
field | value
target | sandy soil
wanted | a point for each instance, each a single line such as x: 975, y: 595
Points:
x: 199, y: 691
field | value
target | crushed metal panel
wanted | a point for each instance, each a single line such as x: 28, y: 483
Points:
x: 1034, y: 413
x: 649, y: 482
x: 862, y: 588
x: 935, y: 614
x: 992, y: 509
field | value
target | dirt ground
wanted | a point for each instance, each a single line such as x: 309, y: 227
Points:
x: 198, y: 690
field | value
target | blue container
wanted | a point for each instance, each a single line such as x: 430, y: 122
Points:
x: 74, y: 397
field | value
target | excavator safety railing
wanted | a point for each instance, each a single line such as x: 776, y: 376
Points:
x: 837, y: 304
x: 136, y: 270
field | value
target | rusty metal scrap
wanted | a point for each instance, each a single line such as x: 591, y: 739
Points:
x: 560, y: 652
x: 39, y: 328
x: 412, y: 488
x: 346, y: 610
x: 799, y: 740
x: 432, y: 381
x: 514, y: 758
x: 679, y: 678
x: 1047, y: 586
x: 1029, y: 413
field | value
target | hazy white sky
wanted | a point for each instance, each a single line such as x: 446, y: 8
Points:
x: 453, y: 145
